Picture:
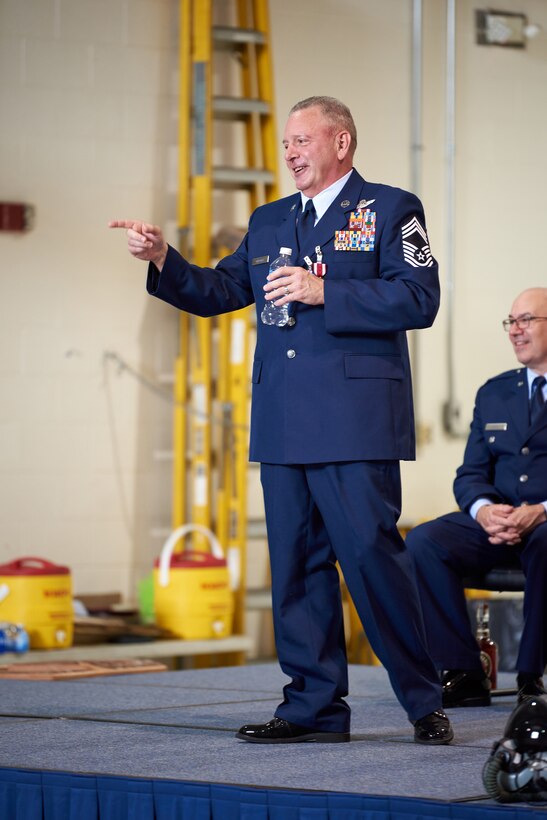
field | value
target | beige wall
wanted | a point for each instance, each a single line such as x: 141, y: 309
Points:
x: 88, y: 132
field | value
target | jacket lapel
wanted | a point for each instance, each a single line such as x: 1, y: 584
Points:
x: 517, y: 402
x: 336, y: 217
x: 539, y: 423
x: 285, y: 236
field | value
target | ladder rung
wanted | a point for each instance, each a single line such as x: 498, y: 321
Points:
x: 236, y: 36
x: 224, y: 177
x: 239, y: 106
x: 258, y: 599
x: 256, y: 528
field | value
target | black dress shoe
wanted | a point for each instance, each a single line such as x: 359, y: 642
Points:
x: 530, y: 688
x: 463, y: 689
x: 433, y: 729
x: 281, y: 731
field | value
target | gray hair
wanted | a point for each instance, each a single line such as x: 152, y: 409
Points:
x: 336, y: 112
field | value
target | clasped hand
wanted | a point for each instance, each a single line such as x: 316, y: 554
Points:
x: 289, y: 284
x: 506, y: 524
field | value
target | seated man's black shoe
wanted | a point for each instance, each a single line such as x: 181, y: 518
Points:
x: 462, y: 688
x: 529, y: 687
x: 281, y: 731
x: 433, y: 729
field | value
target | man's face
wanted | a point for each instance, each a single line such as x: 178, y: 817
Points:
x: 315, y: 154
x: 530, y: 344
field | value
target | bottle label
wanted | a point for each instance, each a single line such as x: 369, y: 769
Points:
x: 486, y: 661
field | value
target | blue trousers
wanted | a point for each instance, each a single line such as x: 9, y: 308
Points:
x: 445, y: 551
x: 318, y: 514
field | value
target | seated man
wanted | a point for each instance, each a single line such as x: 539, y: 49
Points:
x: 501, y: 489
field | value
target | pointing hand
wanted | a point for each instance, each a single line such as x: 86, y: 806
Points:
x: 144, y: 241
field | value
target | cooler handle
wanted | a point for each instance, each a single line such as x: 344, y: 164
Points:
x: 181, y: 532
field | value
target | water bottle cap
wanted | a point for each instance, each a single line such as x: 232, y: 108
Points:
x: 285, y: 251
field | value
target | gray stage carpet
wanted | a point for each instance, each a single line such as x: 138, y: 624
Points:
x: 180, y: 726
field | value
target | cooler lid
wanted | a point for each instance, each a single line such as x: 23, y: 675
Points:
x: 32, y: 566
x: 193, y: 560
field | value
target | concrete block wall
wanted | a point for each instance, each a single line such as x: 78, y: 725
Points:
x: 88, y: 107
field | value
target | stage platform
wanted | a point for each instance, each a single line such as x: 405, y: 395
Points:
x: 161, y: 746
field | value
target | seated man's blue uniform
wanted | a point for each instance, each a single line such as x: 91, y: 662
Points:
x: 505, y: 462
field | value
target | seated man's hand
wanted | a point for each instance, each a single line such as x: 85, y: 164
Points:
x: 526, y: 518
x: 495, y: 519
x: 506, y: 524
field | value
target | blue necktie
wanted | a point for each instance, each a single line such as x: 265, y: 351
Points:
x: 305, y: 225
x: 537, y: 402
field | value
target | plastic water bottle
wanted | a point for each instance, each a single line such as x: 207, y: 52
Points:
x: 13, y: 638
x: 272, y: 314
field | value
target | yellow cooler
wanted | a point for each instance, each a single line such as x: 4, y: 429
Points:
x: 192, y: 594
x: 38, y: 595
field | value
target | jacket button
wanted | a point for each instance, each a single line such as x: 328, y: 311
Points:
x: 523, y: 479
x: 291, y: 321
x: 491, y: 439
x: 525, y: 451
x: 291, y: 354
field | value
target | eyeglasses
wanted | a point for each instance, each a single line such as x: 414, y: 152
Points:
x: 522, y: 322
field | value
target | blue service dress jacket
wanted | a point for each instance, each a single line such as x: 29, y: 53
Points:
x: 334, y: 384
x: 505, y: 458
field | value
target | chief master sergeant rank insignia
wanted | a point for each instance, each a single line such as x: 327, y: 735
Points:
x: 416, y: 245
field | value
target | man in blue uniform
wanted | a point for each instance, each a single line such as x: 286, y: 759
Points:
x: 331, y: 415
x: 501, y: 489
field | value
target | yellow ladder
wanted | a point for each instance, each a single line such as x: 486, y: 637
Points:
x: 225, y: 111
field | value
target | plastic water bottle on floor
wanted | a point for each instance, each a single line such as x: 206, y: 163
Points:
x: 272, y: 314
x: 13, y: 638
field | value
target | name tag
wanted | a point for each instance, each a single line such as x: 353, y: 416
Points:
x: 260, y: 260
x: 496, y: 425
